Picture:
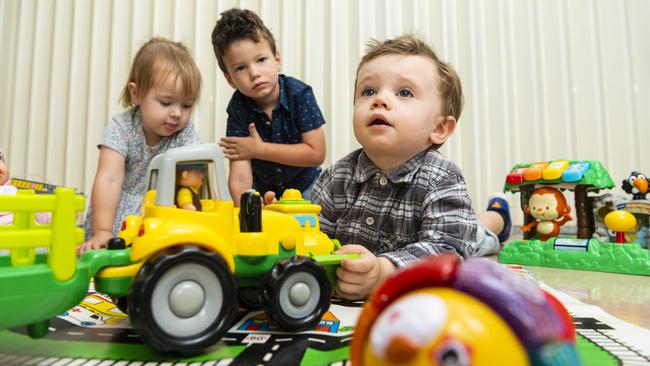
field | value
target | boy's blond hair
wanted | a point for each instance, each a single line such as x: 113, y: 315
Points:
x: 235, y: 25
x: 157, y: 59
x: 450, y: 88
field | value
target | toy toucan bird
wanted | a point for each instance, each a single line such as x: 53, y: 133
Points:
x: 637, y: 185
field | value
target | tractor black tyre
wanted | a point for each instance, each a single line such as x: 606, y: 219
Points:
x: 296, y: 293
x: 122, y: 304
x: 183, y: 301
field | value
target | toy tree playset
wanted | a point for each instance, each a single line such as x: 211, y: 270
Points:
x: 612, y: 231
x: 178, y: 273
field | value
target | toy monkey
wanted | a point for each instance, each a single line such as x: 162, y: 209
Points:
x: 550, y: 210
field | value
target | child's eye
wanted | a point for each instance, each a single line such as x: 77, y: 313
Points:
x: 165, y: 103
x: 405, y: 93
x: 261, y: 59
x: 239, y: 68
x: 187, y: 105
x: 368, y: 92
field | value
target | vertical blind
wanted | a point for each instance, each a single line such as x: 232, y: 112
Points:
x: 543, y: 79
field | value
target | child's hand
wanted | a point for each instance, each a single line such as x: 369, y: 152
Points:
x: 269, y: 198
x: 358, y: 278
x: 243, y: 148
x: 97, y: 241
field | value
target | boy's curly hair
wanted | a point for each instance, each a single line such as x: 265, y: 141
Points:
x: 237, y: 24
x: 450, y: 89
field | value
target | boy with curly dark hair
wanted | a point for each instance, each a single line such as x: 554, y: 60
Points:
x: 274, y: 136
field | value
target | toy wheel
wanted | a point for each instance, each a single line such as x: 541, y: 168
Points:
x: 182, y: 301
x: 249, y: 297
x: 38, y: 329
x: 122, y: 304
x: 296, y: 293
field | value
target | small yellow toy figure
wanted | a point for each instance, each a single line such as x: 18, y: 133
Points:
x: 189, y: 179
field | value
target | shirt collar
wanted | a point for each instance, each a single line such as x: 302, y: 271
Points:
x: 283, y: 100
x: 366, y: 169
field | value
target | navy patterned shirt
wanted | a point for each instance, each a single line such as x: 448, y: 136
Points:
x: 296, y: 113
x: 420, y: 209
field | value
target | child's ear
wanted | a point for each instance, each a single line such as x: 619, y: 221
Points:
x: 229, y: 80
x: 133, y: 91
x: 444, y: 127
x: 278, y: 60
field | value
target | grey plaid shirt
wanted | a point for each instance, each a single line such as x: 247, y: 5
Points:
x: 420, y: 209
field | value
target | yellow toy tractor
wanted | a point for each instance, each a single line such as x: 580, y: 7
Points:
x: 189, y: 270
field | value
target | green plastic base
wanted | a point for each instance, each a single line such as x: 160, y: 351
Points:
x: 31, y: 295
x: 12, y: 343
x: 582, y: 254
x: 38, y: 329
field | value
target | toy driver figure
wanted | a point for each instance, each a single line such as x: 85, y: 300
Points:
x: 189, y: 179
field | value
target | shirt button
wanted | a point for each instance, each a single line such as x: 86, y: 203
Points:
x: 370, y: 221
x: 268, y: 123
x: 383, y: 181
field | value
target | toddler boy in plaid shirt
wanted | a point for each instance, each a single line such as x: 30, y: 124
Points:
x: 398, y: 199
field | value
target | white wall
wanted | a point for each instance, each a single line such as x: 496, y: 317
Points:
x: 543, y: 79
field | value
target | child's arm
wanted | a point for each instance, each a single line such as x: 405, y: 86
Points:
x: 310, y: 152
x: 358, y: 278
x: 448, y: 224
x: 240, y: 179
x: 106, y: 191
x: 322, y: 194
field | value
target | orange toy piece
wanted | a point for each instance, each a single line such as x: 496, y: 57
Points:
x: 534, y: 172
x: 550, y: 210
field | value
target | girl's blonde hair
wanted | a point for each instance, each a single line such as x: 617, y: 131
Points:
x: 155, y: 61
